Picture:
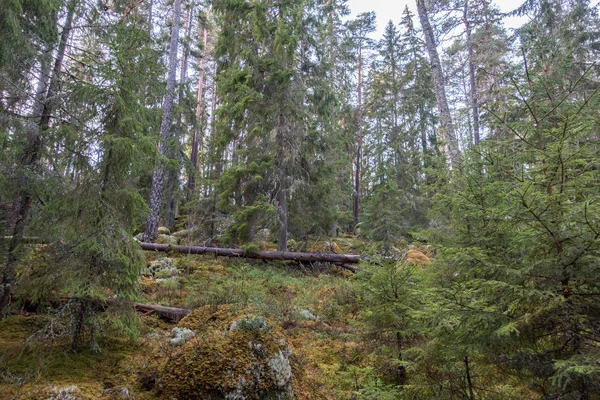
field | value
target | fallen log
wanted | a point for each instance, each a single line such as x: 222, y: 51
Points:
x: 341, y: 260
x: 171, y: 314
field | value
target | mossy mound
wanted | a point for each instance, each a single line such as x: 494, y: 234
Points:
x: 214, y: 317
x: 162, y: 230
x: 238, y: 355
x: 167, y: 239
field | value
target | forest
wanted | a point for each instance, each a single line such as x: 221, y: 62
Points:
x: 273, y: 199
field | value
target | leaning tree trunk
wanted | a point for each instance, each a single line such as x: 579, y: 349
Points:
x: 156, y: 192
x: 448, y: 133
x: 44, y: 105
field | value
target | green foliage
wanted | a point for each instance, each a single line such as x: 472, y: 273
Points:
x: 517, y: 274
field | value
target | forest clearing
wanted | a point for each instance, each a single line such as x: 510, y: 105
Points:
x: 258, y: 199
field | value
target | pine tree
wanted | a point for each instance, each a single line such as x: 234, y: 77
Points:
x: 166, y: 141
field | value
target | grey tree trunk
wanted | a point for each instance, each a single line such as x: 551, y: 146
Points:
x: 156, y: 192
x: 473, y: 91
x: 282, y: 194
x: 447, y: 132
x: 172, y: 195
x: 200, y: 99
x: 44, y: 105
x: 358, y: 142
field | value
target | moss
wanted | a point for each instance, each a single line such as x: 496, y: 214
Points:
x: 213, y: 317
x: 35, y: 368
x: 237, y: 355
x: 17, y: 328
x: 167, y: 239
x: 163, y: 230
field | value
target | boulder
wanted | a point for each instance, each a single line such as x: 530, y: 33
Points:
x: 162, y: 230
x: 160, y: 264
x: 167, y: 239
x: 234, y: 356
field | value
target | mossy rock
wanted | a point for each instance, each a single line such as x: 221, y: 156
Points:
x: 163, y: 230
x: 326, y: 247
x: 243, y: 357
x: 161, y: 264
x: 167, y: 239
x: 211, y: 317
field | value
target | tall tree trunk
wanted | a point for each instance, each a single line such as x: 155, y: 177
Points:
x: 172, y: 184
x: 158, y: 177
x: 282, y: 194
x: 473, y: 92
x: 447, y: 132
x: 44, y: 106
x: 358, y: 141
x: 200, y: 99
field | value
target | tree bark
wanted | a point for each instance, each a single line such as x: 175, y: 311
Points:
x: 43, y: 108
x: 338, y: 259
x: 358, y: 141
x: 447, y: 132
x: 472, y: 83
x: 200, y: 100
x: 172, y: 184
x: 282, y: 194
x: 156, y: 192
x: 171, y: 314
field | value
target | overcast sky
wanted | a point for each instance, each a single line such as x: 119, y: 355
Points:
x: 392, y: 9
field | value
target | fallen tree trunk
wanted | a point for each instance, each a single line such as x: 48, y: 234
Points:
x: 171, y: 314
x: 341, y: 260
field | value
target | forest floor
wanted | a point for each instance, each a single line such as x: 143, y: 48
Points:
x: 319, y: 308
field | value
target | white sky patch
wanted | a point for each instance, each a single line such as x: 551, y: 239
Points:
x: 393, y: 9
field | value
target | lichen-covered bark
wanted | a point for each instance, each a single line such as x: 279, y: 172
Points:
x: 156, y: 192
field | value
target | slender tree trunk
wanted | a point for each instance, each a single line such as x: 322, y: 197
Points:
x: 156, y: 192
x: 473, y: 94
x: 43, y: 108
x: 469, y: 382
x: 447, y: 132
x: 200, y: 100
x: 172, y: 184
x: 358, y: 142
x: 217, y: 167
x: 282, y: 194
